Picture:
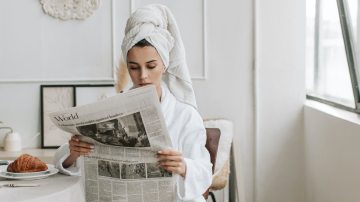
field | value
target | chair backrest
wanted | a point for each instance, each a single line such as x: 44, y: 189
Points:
x: 212, y: 143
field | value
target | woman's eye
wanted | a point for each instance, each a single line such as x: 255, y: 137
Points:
x: 151, y: 66
x: 133, y: 68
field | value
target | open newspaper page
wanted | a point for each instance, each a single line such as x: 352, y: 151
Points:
x: 127, y: 131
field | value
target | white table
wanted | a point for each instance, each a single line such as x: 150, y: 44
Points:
x: 56, y: 188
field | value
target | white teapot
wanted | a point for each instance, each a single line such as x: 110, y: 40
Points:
x: 12, y: 140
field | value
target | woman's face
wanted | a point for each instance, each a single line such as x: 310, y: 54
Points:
x: 145, y: 67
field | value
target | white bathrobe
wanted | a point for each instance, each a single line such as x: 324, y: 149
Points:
x: 188, y: 136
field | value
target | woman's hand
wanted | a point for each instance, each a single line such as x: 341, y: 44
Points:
x: 77, y: 148
x: 172, y: 161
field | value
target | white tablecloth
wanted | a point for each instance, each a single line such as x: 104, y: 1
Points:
x: 56, y: 188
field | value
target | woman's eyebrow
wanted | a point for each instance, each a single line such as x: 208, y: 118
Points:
x: 151, y: 61
x: 130, y: 62
x: 135, y: 63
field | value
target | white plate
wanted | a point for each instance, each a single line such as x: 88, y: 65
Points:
x: 28, y: 176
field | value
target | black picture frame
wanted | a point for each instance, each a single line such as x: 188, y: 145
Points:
x: 54, y: 98
x: 75, y: 95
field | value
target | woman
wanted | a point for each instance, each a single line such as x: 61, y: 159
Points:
x: 155, y: 55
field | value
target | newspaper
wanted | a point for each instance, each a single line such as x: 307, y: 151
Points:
x: 127, y: 131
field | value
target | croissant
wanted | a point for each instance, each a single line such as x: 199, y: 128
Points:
x: 27, y: 163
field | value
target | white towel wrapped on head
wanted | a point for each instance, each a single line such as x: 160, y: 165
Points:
x: 157, y: 25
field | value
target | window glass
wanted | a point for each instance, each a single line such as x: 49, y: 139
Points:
x: 331, y: 78
x: 353, y: 11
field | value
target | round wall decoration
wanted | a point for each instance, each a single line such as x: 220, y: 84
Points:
x: 70, y: 9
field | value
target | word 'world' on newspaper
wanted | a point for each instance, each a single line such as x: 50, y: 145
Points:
x: 127, y: 130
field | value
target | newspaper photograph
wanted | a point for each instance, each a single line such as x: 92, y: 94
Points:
x: 127, y: 130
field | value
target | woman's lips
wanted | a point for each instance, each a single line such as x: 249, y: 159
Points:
x: 144, y: 84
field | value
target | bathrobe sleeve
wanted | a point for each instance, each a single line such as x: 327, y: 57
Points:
x: 61, y: 154
x: 197, y: 158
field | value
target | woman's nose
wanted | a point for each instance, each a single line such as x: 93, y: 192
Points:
x: 144, y: 74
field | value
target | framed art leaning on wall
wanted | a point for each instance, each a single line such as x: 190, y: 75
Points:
x: 54, y: 98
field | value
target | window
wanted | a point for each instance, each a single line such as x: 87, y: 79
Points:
x: 331, y: 52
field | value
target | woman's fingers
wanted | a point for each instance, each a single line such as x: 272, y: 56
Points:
x: 171, y: 164
x: 80, y: 150
x: 172, y: 161
x: 80, y: 153
x: 84, y: 144
x: 79, y: 147
x: 81, y: 144
x: 180, y: 170
x: 169, y: 152
x: 169, y: 158
x: 169, y: 155
x: 75, y: 138
x: 172, y: 155
x: 176, y: 170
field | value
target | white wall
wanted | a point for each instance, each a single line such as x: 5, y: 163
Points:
x: 280, y: 84
x: 228, y: 91
x: 332, y: 155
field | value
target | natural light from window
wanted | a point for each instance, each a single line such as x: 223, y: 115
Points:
x: 327, y: 74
